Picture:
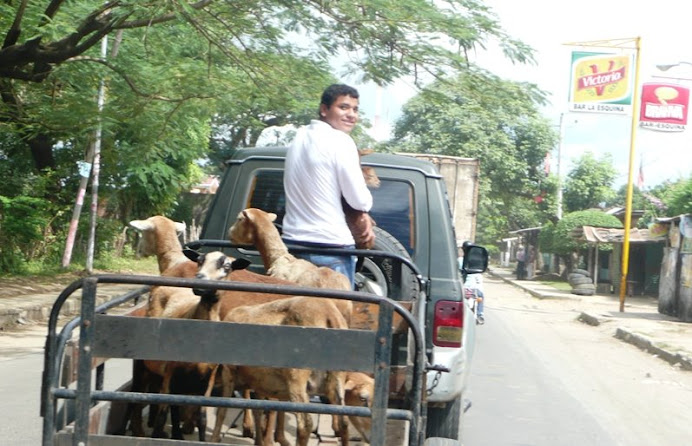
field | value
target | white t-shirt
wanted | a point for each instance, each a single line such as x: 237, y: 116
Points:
x: 474, y: 282
x: 322, y: 164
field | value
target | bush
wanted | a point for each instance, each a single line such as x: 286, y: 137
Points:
x: 23, y: 225
x: 557, y: 238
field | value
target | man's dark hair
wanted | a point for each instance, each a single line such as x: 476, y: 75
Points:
x: 332, y: 92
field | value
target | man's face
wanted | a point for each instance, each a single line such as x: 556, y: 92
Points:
x: 342, y: 115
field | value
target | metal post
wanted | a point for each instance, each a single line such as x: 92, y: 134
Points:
x: 96, y: 166
x: 628, y: 205
x: 559, y: 162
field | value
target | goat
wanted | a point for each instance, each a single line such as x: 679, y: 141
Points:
x: 255, y: 227
x: 285, y: 383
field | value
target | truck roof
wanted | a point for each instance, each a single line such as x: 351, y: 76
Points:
x: 401, y: 160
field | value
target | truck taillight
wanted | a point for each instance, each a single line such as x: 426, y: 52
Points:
x: 449, y: 323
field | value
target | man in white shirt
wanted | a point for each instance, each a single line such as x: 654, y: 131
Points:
x: 322, y: 166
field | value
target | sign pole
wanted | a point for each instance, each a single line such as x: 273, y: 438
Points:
x: 628, y: 200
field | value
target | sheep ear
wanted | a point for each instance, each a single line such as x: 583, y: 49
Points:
x: 271, y: 215
x: 240, y: 264
x: 349, y: 385
x: 142, y: 225
x: 191, y: 254
x: 180, y: 227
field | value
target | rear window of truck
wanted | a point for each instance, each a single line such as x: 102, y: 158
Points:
x: 392, y: 204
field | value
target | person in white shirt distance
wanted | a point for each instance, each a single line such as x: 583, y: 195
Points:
x: 322, y: 166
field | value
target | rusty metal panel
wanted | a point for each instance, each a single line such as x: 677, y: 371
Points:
x: 666, y: 286
x: 227, y: 343
x: 685, y: 290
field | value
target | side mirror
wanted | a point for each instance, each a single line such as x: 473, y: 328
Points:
x: 475, y: 259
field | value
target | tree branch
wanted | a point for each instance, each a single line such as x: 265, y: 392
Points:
x: 164, y: 18
x: 130, y: 83
x: 16, y: 29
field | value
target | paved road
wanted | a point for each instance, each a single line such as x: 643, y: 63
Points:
x: 541, y: 377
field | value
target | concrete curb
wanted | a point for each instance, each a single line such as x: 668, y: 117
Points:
x: 12, y: 318
x: 589, y: 319
x: 645, y: 344
x: 534, y: 293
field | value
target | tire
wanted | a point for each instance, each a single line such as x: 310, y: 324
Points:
x: 583, y: 292
x: 445, y: 422
x: 584, y: 286
x: 581, y: 271
x: 377, y: 275
x: 580, y: 281
x: 571, y: 276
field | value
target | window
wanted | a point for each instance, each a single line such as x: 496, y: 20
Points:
x: 392, y: 204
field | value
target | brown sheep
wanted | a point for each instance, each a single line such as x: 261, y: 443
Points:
x: 255, y: 227
x: 160, y: 238
x: 286, y: 384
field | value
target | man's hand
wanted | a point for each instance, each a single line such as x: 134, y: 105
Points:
x: 365, y: 237
x: 360, y: 223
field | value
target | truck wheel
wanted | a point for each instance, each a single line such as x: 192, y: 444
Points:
x: 445, y: 422
x: 377, y: 275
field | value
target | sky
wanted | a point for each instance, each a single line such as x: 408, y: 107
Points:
x: 548, y: 26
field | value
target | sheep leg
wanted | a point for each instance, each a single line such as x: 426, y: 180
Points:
x: 264, y: 432
x: 227, y: 387
x: 142, y: 380
x: 176, y: 433
x: 248, y: 428
x: 336, y: 394
x: 298, y: 394
x: 162, y: 412
x: 280, y: 431
x: 202, y: 423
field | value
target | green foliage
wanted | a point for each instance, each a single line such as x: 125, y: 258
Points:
x: 557, y: 239
x: 589, y: 183
x: 650, y: 202
x: 679, y: 198
x: 187, y: 81
x: 23, y: 221
x: 484, y: 117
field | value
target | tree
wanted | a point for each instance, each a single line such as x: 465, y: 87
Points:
x: 382, y: 41
x: 679, y: 198
x: 479, y: 115
x: 557, y: 238
x: 589, y: 183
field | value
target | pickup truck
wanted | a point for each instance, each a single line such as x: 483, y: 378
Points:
x: 420, y: 373
x: 414, y: 219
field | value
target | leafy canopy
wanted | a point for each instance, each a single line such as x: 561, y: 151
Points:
x: 481, y: 116
x: 557, y: 238
x: 589, y: 183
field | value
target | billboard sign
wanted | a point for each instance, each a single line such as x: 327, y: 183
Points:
x: 601, y: 83
x: 664, y: 107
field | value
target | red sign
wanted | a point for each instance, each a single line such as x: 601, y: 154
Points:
x: 664, y: 107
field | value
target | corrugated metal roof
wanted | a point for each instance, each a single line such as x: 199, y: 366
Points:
x: 592, y: 234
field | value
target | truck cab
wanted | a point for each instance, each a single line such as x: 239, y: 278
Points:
x: 413, y: 217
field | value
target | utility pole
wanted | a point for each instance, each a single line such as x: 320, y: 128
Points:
x: 559, y: 163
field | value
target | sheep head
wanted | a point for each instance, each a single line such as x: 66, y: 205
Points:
x: 157, y: 232
x: 214, y: 265
x: 242, y: 232
x: 360, y: 389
